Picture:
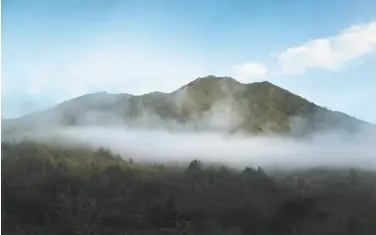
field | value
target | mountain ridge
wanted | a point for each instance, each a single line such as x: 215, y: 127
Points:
x: 206, y: 103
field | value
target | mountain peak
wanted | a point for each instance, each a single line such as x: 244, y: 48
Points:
x: 210, y: 82
x: 267, y: 83
x: 212, y: 78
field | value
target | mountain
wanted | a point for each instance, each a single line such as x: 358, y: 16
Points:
x: 208, y: 103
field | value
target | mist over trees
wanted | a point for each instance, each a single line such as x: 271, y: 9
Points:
x: 50, y: 190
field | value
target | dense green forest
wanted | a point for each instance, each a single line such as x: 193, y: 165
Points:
x: 49, y: 190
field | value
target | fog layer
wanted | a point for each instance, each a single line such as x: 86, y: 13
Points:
x: 328, y: 150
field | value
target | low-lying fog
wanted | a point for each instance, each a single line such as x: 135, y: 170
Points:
x: 329, y: 150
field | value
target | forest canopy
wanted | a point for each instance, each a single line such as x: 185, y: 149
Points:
x: 47, y: 190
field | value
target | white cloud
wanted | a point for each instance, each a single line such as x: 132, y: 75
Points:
x: 331, y: 52
x: 249, y: 70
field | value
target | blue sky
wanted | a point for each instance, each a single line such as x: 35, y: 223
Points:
x: 55, y: 50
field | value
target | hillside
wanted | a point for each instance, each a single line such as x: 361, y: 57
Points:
x: 209, y: 103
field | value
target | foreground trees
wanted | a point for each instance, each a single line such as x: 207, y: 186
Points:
x: 55, y: 191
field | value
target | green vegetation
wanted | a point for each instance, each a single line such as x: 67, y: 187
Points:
x: 51, y: 191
